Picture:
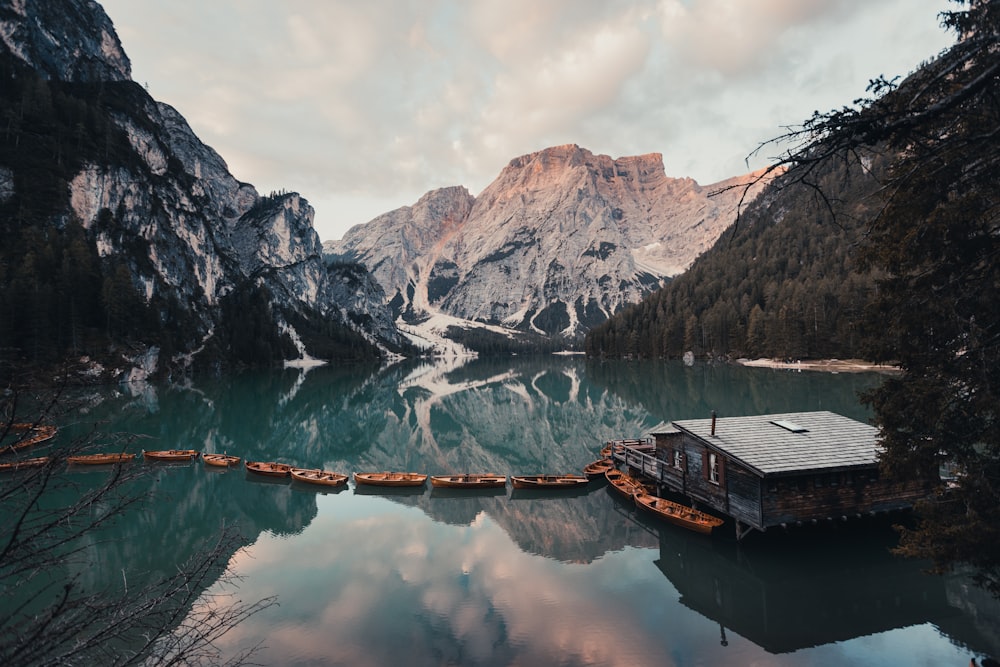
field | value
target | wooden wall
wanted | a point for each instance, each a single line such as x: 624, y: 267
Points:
x: 744, y: 494
x: 836, y: 495
x: 737, y: 493
x: 765, y: 502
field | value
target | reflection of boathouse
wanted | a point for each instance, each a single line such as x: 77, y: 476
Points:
x: 790, y: 594
x: 773, y: 470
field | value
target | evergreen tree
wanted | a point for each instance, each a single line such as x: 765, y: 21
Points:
x: 935, y: 242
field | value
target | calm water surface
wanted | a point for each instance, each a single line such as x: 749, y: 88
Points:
x: 508, y: 578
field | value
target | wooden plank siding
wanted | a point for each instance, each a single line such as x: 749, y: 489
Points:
x: 744, y: 491
x: 802, y: 498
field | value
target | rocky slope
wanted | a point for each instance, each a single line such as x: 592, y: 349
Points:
x: 167, y: 207
x: 558, y: 242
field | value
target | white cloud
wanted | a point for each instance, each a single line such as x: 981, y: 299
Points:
x: 362, y: 107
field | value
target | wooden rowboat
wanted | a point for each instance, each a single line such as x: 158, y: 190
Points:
x: 324, y: 477
x: 13, y: 466
x: 677, y: 514
x: 99, y: 459
x: 170, y: 455
x: 597, y: 468
x: 220, y: 460
x: 269, y: 469
x: 469, y: 481
x: 39, y: 433
x: 390, y: 478
x: 548, y: 481
x: 623, y: 483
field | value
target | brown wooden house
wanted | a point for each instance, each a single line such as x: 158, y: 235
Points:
x: 775, y: 470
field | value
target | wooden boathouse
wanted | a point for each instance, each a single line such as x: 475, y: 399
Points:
x: 772, y: 470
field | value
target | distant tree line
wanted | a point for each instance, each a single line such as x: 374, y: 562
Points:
x: 491, y: 344
x: 919, y: 289
x: 781, y: 283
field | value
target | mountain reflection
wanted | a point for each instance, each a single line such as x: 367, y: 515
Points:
x: 506, y: 416
x: 497, y: 577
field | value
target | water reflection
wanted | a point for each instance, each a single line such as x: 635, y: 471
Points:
x: 788, y: 593
x: 423, y: 593
x: 432, y: 576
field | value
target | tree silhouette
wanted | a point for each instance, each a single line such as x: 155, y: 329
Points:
x: 934, y: 242
x: 47, y: 527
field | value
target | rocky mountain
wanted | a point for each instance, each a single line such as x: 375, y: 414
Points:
x: 561, y: 240
x: 783, y: 283
x: 221, y: 267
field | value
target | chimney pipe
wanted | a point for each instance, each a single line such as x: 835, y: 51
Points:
x: 713, y: 423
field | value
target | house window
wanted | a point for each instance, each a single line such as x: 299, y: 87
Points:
x: 713, y: 468
x: 678, y: 459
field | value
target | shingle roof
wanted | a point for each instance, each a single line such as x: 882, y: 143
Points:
x: 828, y: 440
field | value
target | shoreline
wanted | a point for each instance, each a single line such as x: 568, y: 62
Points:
x: 827, y: 365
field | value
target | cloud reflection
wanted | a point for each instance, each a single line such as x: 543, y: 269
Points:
x: 359, y: 589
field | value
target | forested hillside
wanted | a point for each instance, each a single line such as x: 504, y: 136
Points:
x: 782, y: 282
x: 60, y: 297
x: 55, y: 293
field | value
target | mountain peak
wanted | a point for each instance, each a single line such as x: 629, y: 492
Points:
x: 65, y: 40
x: 566, y: 158
x: 559, y: 241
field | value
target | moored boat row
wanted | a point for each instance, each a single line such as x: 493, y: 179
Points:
x: 678, y: 514
x: 621, y: 482
x: 326, y: 477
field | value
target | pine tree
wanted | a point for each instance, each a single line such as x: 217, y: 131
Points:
x: 935, y: 246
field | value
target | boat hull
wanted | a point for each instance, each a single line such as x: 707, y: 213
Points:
x: 622, y: 483
x: 321, y: 477
x: 548, y: 481
x: 598, y: 468
x: 268, y: 469
x: 99, y: 459
x: 171, y: 455
x: 472, y: 481
x: 13, y: 466
x: 220, y: 460
x: 390, y: 478
x: 677, y: 514
x: 39, y: 433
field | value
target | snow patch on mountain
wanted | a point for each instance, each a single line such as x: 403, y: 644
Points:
x: 561, y: 240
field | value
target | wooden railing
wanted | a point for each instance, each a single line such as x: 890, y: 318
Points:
x: 640, y: 456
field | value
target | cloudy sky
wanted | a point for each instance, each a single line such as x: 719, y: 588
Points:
x: 364, y: 105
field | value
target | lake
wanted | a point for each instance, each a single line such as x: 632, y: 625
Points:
x: 383, y: 577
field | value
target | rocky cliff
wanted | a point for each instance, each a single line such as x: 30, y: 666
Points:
x: 159, y: 202
x: 558, y: 242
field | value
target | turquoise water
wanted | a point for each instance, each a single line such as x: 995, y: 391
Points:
x: 430, y: 578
